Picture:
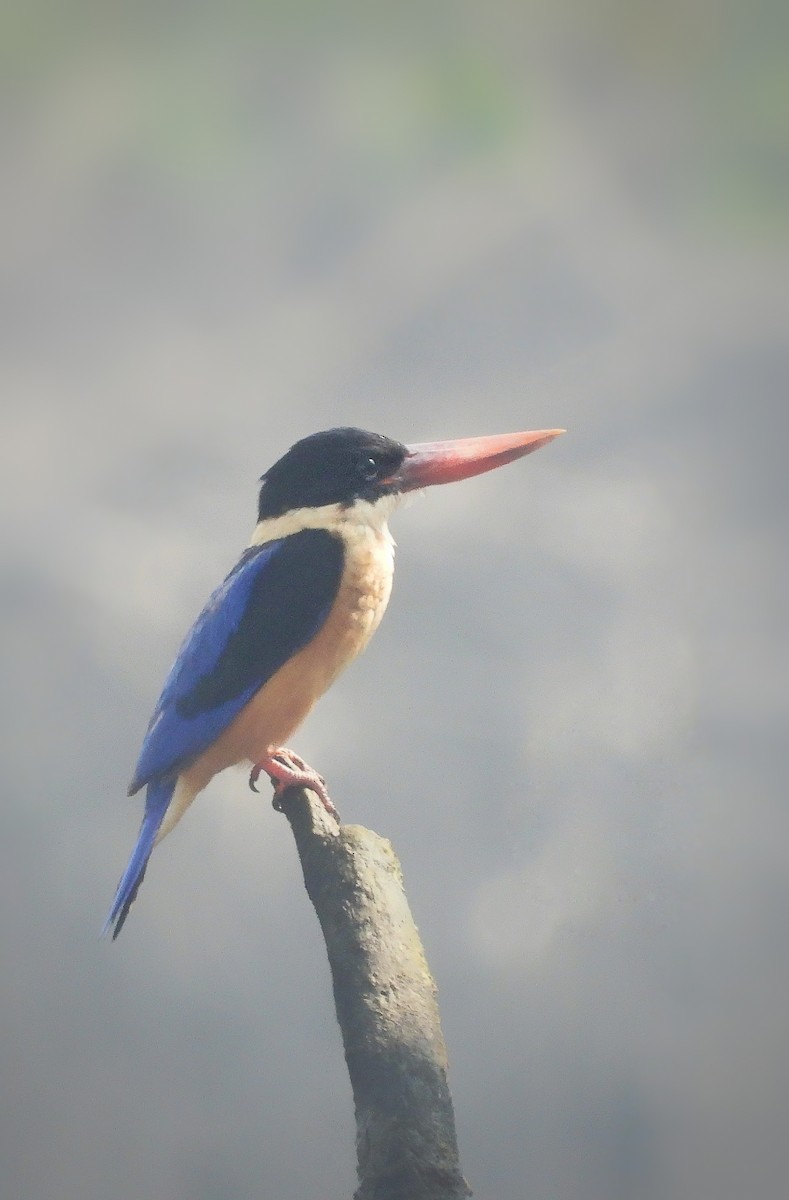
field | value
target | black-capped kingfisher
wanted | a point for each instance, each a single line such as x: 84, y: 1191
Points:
x: 302, y: 601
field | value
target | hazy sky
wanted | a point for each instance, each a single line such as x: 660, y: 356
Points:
x: 228, y: 229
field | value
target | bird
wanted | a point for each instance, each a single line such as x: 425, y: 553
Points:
x: 301, y: 603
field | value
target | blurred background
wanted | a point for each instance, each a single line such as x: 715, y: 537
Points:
x: 227, y: 226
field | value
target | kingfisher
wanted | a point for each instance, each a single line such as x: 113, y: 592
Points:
x: 303, y: 600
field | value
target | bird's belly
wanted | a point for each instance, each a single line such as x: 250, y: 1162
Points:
x: 277, y: 710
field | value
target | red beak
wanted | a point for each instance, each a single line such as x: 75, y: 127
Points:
x: 443, y: 462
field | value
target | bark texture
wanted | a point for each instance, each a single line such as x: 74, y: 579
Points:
x: 386, y: 1006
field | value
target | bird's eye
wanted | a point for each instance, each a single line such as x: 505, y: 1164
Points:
x: 370, y: 469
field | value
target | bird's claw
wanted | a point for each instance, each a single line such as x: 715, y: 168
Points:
x: 288, y: 770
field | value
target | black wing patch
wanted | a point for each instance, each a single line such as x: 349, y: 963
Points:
x: 286, y: 606
x: 271, y: 604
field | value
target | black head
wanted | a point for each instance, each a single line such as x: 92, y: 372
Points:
x: 337, y: 466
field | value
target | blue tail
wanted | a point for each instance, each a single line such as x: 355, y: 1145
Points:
x: 159, y: 795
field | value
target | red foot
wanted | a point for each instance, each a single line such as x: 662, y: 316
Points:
x: 287, y: 770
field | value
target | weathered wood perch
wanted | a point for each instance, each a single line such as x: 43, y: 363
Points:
x: 386, y: 1006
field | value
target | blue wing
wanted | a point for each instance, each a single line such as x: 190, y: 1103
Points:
x: 271, y: 604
